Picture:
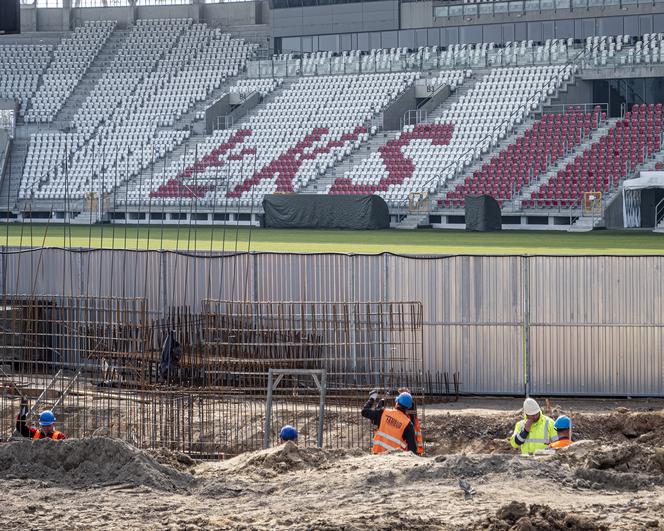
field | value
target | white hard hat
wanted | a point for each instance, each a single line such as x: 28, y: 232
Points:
x: 530, y: 406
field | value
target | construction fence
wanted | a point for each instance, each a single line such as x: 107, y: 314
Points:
x: 175, y: 349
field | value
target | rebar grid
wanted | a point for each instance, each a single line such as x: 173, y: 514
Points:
x: 99, y: 359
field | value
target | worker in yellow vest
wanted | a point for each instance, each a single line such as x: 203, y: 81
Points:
x: 395, y: 431
x: 563, y: 427
x: 535, y: 431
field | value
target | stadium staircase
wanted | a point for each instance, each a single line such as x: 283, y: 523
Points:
x: 13, y: 173
x: 95, y: 71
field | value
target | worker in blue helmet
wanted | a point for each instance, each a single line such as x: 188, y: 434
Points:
x: 46, y: 429
x: 563, y: 426
x: 288, y: 433
x: 395, y: 430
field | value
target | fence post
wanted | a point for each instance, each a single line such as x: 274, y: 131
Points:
x: 268, y: 412
x: 321, y: 409
x: 526, y: 325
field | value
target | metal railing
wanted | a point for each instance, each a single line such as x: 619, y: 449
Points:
x: 659, y: 212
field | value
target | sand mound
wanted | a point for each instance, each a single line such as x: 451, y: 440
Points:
x: 516, y: 516
x: 97, y: 461
x: 623, y: 466
x: 284, y: 458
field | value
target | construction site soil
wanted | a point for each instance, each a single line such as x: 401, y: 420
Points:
x: 612, y: 478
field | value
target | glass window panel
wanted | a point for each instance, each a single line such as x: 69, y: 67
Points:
x: 562, y: 4
x: 535, y: 31
x: 441, y: 12
x: 407, y: 38
x: 500, y: 7
x: 456, y: 11
x: 520, y: 31
x: 470, y: 34
x: 470, y: 10
x: 452, y: 35
x: 493, y: 33
x: 595, y: 3
x: 516, y: 7
x: 564, y: 29
x: 420, y: 37
x: 374, y: 40
x: 346, y: 42
x: 433, y: 37
x: 547, y: 5
x: 307, y: 44
x: 290, y: 44
x: 508, y: 32
x: 49, y: 3
x: 532, y: 5
x: 658, y: 20
x: 629, y: 2
x: 329, y: 43
x: 390, y: 39
x: 486, y: 8
x: 363, y: 41
x: 645, y: 24
x: 581, y: 4
x: 631, y: 25
x: 547, y: 30
x: 588, y: 27
x: 610, y: 25
x: 353, y: 41
x: 611, y: 2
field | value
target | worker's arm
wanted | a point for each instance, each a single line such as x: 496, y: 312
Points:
x: 520, y: 434
x: 368, y: 412
x: 22, y: 426
x: 409, y: 437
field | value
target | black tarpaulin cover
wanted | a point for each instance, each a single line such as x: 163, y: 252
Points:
x: 482, y: 213
x: 312, y: 211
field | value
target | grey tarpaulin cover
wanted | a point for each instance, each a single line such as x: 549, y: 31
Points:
x: 482, y: 213
x: 313, y: 211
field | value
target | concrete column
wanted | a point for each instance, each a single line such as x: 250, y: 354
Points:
x: 29, y: 18
x: 196, y: 11
x: 66, y: 15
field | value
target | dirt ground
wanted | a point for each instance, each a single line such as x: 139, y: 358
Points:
x: 613, y: 479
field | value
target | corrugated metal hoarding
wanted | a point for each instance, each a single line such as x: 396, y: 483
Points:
x: 506, y: 324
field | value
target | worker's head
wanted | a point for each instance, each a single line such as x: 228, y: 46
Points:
x: 407, y: 390
x: 288, y: 433
x: 47, y: 421
x: 531, y: 409
x: 563, y: 426
x: 404, y: 402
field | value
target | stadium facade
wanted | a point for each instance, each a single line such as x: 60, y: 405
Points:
x: 171, y: 112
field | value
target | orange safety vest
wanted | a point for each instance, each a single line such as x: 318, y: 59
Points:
x: 419, y: 438
x: 54, y: 435
x: 560, y: 443
x: 389, y: 435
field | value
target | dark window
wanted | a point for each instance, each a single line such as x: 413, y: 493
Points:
x: 407, y: 38
x: 520, y: 31
x: 328, y: 43
x: 433, y: 37
x: 547, y: 30
x: 493, y: 33
x: 363, y: 41
x: 535, y: 31
x: 346, y: 42
x: 390, y: 39
x: 631, y: 25
x: 610, y: 25
x: 374, y: 40
x: 564, y: 29
x: 508, y: 32
x: 645, y: 24
x: 470, y: 34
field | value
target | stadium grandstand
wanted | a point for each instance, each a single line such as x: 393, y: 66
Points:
x: 160, y: 111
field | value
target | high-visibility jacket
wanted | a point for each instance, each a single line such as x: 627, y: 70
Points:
x: 53, y: 435
x: 389, y: 435
x: 541, y: 434
x: 419, y: 438
x: 560, y: 443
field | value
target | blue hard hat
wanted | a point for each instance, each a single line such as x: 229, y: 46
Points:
x: 46, y: 418
x: 405, y: 400
x: 563, y: 423
x: 288, y: 433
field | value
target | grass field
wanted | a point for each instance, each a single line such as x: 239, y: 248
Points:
x: 396, y: 241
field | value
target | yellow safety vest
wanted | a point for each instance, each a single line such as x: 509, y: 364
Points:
x: 541, y: 434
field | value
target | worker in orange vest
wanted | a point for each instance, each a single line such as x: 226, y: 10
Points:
x: 563, y: 427
x: 412, y: 413
x: 395, y: 431
x: 46, y: 428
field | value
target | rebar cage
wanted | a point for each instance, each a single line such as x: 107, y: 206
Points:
x: 106, y: 366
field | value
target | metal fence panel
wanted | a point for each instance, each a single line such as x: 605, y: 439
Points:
x: 597, y: 325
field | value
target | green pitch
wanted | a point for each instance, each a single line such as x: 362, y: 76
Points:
x: 315, y: 241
